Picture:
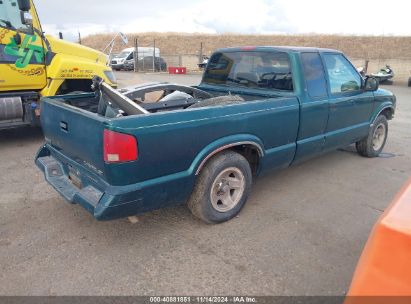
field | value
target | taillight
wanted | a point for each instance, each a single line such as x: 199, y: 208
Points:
x: 119, y: 147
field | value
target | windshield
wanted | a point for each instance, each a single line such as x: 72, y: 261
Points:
x: 255, y: 69
x: 122, y: 55
x: 10, y: 16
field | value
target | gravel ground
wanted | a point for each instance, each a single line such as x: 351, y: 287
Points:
x: 301, y: 232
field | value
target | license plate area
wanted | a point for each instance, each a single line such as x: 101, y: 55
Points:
x: 75, y: 177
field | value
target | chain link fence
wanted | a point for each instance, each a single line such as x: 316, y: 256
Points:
x: 161, y: 63
x: 148, y: 57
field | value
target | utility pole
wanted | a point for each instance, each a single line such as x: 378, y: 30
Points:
x: 381, y: 48
x: 79, y: 37
x: 154, y: 56
x: 200, y: 59
x: 136, y: 54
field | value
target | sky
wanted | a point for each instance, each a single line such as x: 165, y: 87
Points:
x: 350, y: 17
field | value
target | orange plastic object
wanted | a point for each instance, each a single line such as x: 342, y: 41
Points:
x: 177, y: 70
x: 384, y: 269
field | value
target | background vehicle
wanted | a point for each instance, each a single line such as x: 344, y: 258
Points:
x: 384, y: 74
x: 256, y: 109
x: 146, y: 63
x: 127, y: 55
x: 203, y: 64
x: 361, y: 70
x: 34, y: 65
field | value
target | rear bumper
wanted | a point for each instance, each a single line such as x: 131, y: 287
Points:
x: 104, y: 201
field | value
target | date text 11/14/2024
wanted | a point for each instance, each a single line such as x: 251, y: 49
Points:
x: 203, y: 299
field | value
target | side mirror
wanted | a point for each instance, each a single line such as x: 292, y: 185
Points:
x: 24, y: 5
x: 26, y: 18
x: 371, y: 84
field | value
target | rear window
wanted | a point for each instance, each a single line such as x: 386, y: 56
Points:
x: 268, y: 70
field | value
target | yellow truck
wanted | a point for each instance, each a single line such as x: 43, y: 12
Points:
x: 33, y: 65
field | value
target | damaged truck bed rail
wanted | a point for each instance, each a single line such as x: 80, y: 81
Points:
x: 173, y: 96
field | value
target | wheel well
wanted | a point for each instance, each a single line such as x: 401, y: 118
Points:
x: 71, y: 85
x: 250, y: 152
x: 388, y: 113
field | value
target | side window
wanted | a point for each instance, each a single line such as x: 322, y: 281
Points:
x: 10, y: 16
x: 131, y: 56
x: 342, y: 75
x: 314, y: 74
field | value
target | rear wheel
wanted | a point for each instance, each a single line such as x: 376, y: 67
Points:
x: 222, y: 188
x: 374, y: 143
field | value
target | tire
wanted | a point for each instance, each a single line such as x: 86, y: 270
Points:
x: 373, y: 144
x: 217, y: 101
x: 213, y: 200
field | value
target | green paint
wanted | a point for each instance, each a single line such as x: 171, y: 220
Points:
x: 25, y: 51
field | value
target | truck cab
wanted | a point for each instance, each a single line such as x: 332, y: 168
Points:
x: 33, y: 65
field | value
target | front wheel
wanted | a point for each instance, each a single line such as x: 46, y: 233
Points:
x: 374, y: 143
x: 222, y: 188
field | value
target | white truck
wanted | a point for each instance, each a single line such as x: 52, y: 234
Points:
x: 118, y: 61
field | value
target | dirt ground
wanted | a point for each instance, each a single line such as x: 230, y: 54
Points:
x: 300, y: 233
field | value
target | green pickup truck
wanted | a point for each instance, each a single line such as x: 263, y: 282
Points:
x: 256, y: 109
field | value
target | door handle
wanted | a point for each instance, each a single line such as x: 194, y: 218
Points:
x: 64, y: 126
